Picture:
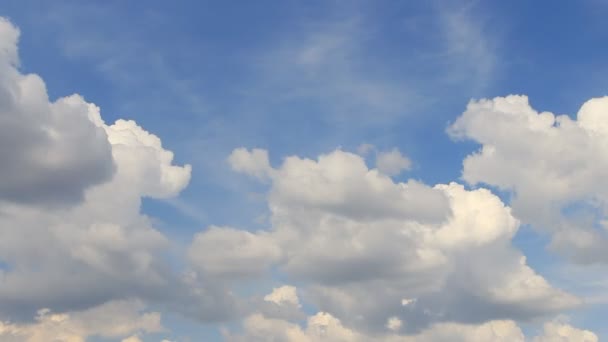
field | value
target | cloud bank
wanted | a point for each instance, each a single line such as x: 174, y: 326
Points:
x: 371, y: 258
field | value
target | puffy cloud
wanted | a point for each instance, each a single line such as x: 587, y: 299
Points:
x: 113, y: 319
x: 254, y: 162
x: 363, y: 245
x: 341, y: 183
x: 392, y: 162
x: 560, y: 332
x: 282, y: 303
x: 50, y: 152
x: 143, y: 161
x: 320, y: 327
x: 324, y: 327
x: 394, y: 324
x: 554, y: 166
x: 99, y: 248
x: 284, y: 295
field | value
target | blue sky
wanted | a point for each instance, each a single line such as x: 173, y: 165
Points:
x: 305, y: 78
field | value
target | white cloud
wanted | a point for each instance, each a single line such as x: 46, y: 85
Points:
x: 97, y: 247
x: 284, y: 295
x: 104, y: 240
x: 560, y: 332
x: 553, y: 165
x: 362, y: 243
x: 397, y: 260
x: 113, y: 319
x: 341, y: 183
x: 145, y: 163
x: 50, y: 152
x: 392, y: 162
x: 394, y: 324
x: 254, y: 162
x: 320, y: 327
x: 325, y: 327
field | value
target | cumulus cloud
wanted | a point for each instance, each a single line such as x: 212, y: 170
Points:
x: 324, y: 327
x: 50, y: 152
x: 561, y: 332
x: 282, y: 303
x: 112, y: 320
x: 320, y: 327
x: 254, y: 162
x: 365, y: 245
x: 341, y: 183
x: 97, y: 247
x: 392, y: 162
x: 284, y: 295
x: 553, y: 164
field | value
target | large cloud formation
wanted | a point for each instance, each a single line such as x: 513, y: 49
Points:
x: 323, y: 326
x: 554, y: 165
x: 72, y: 237
x: 375, y: 258
x: 371, y: 251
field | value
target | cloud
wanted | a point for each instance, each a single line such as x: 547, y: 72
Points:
x: 555, y: 331
x: 470, y: 51
x: 97, y: 250
x: 223, y: 252
x: 284, y: 295
x: 392, y: 163
x: 327, y: 64
x: 97, y: 247
x: 553, y: 165
x: 320, y: 327
x: 325, y: 327
x: 341, y: 183
x: 112, y: 320
x: 365, y: 245
x: 254, y: 162
x: 50, y: 152
x: 375, y: 258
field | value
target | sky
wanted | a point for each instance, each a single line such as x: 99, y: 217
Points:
x: 303, y: 171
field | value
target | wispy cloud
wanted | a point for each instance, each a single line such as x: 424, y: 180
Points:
x: 469, y: 52
x: 328, y: 64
